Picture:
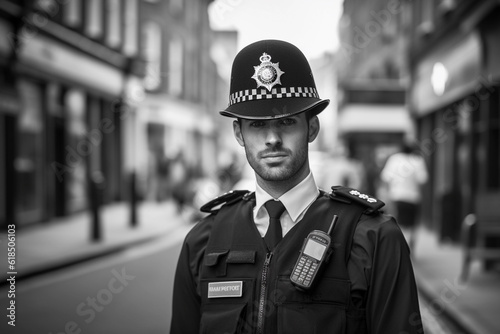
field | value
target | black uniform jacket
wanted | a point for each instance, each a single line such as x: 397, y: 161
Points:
x: 227, y: 281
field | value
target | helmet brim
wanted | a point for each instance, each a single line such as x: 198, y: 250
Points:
x: 275, y: 108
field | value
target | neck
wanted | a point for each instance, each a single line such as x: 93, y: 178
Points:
x: 278, y: 188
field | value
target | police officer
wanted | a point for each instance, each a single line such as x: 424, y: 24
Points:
x: 236, y: 266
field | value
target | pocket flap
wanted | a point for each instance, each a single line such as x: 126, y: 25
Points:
x: 212, y: 258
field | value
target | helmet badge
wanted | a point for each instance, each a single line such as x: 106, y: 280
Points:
x: 267, y: 74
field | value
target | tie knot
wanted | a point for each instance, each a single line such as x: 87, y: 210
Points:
x: 274, y: 208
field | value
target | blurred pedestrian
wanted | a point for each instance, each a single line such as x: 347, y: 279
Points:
x: 229, y: 173
x: 404, y: 173
x: 180, y: 181
x: 234, y: 273
x: 163, y: 172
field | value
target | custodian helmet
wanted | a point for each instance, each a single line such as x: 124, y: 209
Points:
x: 272, y: 79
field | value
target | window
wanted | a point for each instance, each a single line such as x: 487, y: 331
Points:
x: 93, y: 26
x: 113, y: 23
x: 152, y: 55
x: 487, y: 143
x: 175, y: 67
x: 130, y: 28
x: 77, y: 150
x: 426, y: 25
x: 72, y: 13
x: 28, y: 162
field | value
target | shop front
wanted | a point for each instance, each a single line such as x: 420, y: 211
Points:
x: 66, y: 130
x: 455, y: 100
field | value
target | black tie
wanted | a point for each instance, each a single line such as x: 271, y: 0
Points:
x: 274, y: 234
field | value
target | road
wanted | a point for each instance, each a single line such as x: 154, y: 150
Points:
x: 126, y: 292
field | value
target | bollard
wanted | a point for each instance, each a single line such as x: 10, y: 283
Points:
x: 133, y: 201
x: 97, y: 184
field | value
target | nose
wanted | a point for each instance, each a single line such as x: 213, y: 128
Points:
x: 273, y: 137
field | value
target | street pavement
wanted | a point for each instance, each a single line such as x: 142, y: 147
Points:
x: 472, y: 305
x: 68, y: 240
x: 129, y: 291
x: 475, y: 304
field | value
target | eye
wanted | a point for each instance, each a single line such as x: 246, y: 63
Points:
x: 288, y: 121
x: 257, y: 124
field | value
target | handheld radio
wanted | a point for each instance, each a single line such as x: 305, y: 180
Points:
x: 311, y: 258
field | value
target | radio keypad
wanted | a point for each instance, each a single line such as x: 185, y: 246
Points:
x: 304, y: 271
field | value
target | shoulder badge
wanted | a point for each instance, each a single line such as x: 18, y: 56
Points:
x: 349, y: 195
x: 227, y: 198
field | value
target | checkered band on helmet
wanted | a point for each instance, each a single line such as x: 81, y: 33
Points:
x: 275, y: 93
x: 271, y: 79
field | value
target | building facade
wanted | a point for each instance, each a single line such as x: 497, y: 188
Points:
x: 176, y: 116
x: 455, y: 70
x: 372, y: 69
x: 67, y: 68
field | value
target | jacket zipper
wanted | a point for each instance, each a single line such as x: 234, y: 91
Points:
x: 262, y: 300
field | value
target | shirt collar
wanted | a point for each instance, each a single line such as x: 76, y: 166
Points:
x: 295, y: 200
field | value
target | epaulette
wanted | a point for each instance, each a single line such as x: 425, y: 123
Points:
x: 349, y: 195
x: 225, y: 199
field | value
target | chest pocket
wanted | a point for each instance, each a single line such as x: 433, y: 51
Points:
x: 228, y: 292
x: 226, y: 305
x: 321, y: 310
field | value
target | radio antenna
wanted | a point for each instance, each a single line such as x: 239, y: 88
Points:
x: 332, y: 225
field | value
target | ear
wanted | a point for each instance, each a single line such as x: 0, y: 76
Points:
x: 313, y: 128
x: 237, y: 133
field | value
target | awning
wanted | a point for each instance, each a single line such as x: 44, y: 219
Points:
x: 59, y: 60
x: 447, y: 73
x: 161, y: 108
x: 374, y: 118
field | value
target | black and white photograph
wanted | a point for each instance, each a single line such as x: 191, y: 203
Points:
x: 249, y: 167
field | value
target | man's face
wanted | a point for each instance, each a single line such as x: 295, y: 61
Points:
x: 277, y: 149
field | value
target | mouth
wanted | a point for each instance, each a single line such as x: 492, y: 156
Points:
x: 274, y: 157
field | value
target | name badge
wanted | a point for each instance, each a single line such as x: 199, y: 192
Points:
x: 225, y: 289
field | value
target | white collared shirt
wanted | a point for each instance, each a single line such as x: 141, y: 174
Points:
x: 296, y: 201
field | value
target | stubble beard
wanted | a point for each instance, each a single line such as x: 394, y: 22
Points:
x: 282, y: 172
